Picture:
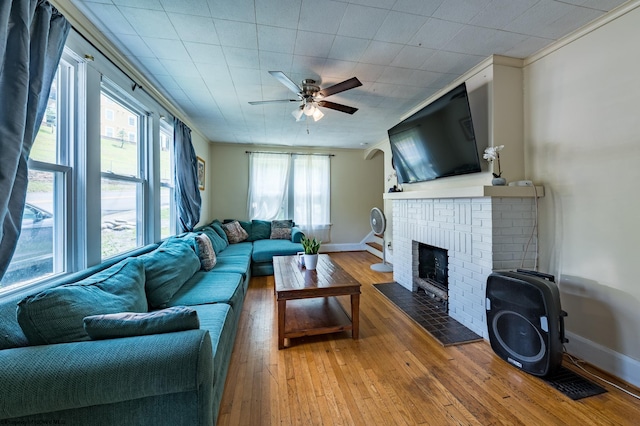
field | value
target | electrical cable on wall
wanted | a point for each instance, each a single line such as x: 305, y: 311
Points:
x: 534, y: 232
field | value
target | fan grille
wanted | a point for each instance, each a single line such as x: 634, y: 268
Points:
x: 378, y: 222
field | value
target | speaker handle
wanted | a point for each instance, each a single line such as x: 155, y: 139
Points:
x: 562, y: 338
x: 537, y: 274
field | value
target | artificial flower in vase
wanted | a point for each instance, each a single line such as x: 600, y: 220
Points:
x: 492, y: 154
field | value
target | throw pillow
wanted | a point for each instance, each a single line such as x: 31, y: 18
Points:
x: 206, y: 253
x: 217, y: 226
x: 127, y: 324
x: 55, y: 315
x: 281, y: 229
x: 167, y: 268
x: 216, y: 240
x: 260, y: 230
x: 235, y: 232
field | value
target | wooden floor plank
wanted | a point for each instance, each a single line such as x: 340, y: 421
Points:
x: 395, y: 374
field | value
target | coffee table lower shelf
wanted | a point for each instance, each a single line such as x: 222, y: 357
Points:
x: 310, y: 317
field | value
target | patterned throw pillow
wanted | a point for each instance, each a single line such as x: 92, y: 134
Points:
x: 235, y: 232
x: 281, y: 229
x: 205, y: 252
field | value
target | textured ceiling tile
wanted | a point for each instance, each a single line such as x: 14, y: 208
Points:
x: 419, y: 7
x: 194, y: 28
x: 276, y: 39
x: 435, y: 33
x: 451, y: 62
x: 361, y: 21
x: 167, y: 49
x: 461, y: 11
x: 381, y: 53
x: 313, y: 44
x: 234, y: 10
x: 188, y: 7
x: 412, y: 57
x: 399, y: 27
x: 321, y: 17
x: 205, y: 53
x: 236, y: 34
x: 278, y: 13
x: 499, y: 13
x: 150, y: 23
x: 103, y: 13
x: 241, y: 58
x: 536, y: 20
x: 141, y: 4
x: 348, y: 48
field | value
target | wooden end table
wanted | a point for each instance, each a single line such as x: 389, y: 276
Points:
x: 307, y: 305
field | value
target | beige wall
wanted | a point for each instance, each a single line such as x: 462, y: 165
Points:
x: 356, y: 187
x: 582, y: 142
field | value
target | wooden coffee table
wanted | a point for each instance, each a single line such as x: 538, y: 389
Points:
x: 306, y: 298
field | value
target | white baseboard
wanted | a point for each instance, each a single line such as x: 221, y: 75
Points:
x: 617, y: 364
x: 329, y: 248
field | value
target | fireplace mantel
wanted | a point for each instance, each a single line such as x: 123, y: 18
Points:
x: 469, y: 192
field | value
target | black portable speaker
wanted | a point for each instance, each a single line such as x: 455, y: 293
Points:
x: 524, y: 320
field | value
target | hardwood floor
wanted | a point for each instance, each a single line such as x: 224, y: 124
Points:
x: 395, y: 374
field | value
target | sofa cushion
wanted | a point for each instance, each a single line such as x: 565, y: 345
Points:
x: 211, y: 287
x: 218, y: 320
x: 218, y: 243
x: 167, y: 268
x: 127, y: 324
x: 281, y: 229
x: 55, y: 315
x: 264, y: 250
x: 241, y: 249
x: 260, y: 230
x: 235, y: 232
x: 205, y: 252
x: 235, y: 264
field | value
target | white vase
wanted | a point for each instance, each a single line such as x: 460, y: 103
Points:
x: 310, y: 261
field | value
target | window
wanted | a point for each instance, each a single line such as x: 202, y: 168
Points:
x: 123, y: 183
x: 40, y: 251
x: 167, y: 203
x: 291, y: 186
x: 77, y: 212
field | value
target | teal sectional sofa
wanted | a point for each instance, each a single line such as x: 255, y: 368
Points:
x: 69, y: 355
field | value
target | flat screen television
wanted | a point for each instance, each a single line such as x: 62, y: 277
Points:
x: 437, y: 141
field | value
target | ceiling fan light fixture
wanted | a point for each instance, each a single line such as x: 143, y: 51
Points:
x: 317, y: 114
x: 309, y: 109
x: 298, y: 114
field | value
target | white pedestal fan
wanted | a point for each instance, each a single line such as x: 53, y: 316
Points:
x: 378, y: 226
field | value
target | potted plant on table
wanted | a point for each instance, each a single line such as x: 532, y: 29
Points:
x: 311, y: 248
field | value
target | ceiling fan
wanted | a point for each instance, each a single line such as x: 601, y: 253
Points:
x: 311, y: 96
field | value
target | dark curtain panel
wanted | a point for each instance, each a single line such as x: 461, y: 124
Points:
x: 186, y: 186
x: 32, y: 37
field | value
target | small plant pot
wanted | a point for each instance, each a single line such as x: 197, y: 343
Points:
x: 499, y: 181
x: 310, y: 261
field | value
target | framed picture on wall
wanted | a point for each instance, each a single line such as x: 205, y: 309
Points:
x: 200, y: 173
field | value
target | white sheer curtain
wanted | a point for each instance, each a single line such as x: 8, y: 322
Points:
x: 268, y: 183
x: 311, y: 195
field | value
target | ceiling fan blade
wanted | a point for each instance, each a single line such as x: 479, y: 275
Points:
x: 337, y: 107
x: 277, y: 101
x: 340, y: 87
x: 282, y: 78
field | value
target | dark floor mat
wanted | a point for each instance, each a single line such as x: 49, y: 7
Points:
x: 572, y: 384
x: 429, y: 313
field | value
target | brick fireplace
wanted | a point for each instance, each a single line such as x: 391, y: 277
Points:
x: 479, y: 234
